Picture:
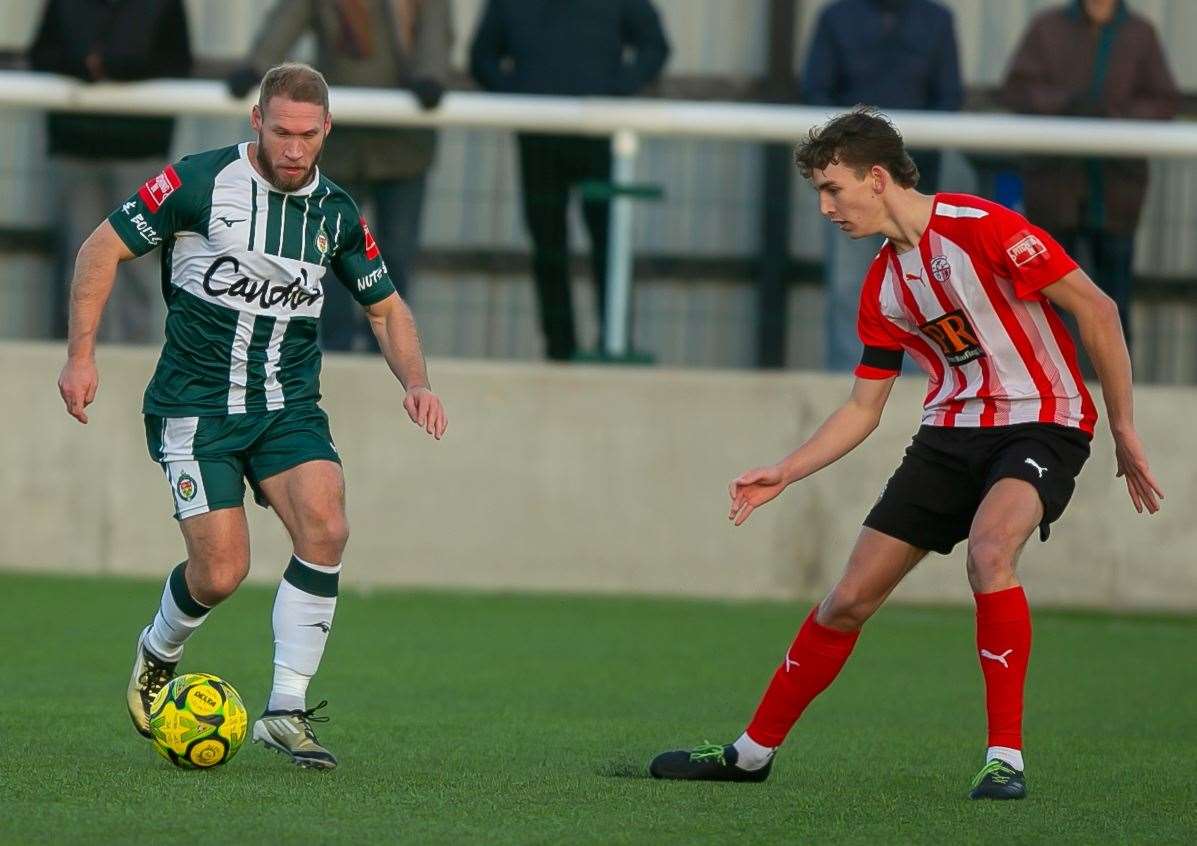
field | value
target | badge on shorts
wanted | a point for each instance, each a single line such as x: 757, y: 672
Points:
x: 186, y: 487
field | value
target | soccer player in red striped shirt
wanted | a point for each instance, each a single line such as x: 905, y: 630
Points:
x: 969, y: 289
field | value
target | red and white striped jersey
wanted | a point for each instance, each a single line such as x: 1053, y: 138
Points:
x: 967, y: 305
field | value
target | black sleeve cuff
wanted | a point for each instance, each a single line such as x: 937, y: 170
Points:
x: 880, y: 358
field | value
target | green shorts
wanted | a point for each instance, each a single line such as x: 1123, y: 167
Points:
x: 207, y: 459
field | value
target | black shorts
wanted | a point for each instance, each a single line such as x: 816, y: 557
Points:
x: 931, y: 499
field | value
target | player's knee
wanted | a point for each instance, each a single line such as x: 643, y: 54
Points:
x: 845, y: 609
x: 328, y: 533
x: 214, y: 584
x: 990, y: 559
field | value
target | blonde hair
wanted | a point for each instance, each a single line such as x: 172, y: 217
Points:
x: 295, y: 81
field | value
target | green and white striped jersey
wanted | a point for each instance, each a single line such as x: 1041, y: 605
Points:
x: 243, y: 269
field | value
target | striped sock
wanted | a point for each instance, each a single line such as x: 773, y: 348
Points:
x: 179, y: 615
x: 303, y: 615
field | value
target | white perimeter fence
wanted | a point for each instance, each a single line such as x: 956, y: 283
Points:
x: 625, y: 120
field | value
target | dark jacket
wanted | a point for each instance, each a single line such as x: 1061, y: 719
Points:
x: 1066, y: 65
x: 893, y: 54
x: 568, y: 47
x: 360, y: 153
x: 131, y: 40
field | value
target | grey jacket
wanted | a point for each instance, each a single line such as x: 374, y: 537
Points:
x: 357, y: 154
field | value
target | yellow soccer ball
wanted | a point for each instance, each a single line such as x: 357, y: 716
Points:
x: 198, y: 721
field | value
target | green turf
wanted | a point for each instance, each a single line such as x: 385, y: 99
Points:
x: 490, y: 719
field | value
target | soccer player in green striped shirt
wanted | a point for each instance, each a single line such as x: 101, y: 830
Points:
x: 248, y: 234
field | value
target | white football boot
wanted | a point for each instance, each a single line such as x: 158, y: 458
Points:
x: 150, y: 675
x: 290, y: 733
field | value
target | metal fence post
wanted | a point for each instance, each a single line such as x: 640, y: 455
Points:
x: 624, y: 146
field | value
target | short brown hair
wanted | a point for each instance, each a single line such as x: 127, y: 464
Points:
x: 295, y: 81
x: 857, y: 139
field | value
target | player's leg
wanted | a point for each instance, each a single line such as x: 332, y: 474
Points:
x: 877, y: 564
x: 1029, y: 485
x: 1007, y: 516
x: 207, y: 495
x: 820, y: 650
x: 309, y: 499
x: 926, y: 505
x: 217, y: 561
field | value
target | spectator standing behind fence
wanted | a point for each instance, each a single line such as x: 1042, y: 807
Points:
x: 95, y: 158
x: 892, y: 54
x: 374, y: 44
x: 1091, y: 58
x: 603, y: 48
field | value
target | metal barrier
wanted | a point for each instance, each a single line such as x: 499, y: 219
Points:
x: 625, y: 120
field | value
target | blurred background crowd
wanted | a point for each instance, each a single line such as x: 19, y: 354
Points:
x: 499, y: 239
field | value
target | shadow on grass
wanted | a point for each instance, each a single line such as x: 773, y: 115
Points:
x: 623, y: 769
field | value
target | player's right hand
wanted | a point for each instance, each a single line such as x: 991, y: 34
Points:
x: 77, y: 383
x: 753, y: 489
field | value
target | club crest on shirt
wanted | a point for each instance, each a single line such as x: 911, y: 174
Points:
x: 955, y: 336
x: 322, y: 242
x: 941, y: 269
x: 1026, y: 249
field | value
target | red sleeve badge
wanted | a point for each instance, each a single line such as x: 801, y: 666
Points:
x: 1025, y: 248
x: 371, y: 244
x: 156, y: 190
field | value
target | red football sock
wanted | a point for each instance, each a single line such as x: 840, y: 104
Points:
x: 1004, y: 647
x: 814, y: 660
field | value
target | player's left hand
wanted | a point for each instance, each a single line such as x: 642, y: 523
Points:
x: 77, y: 384
x: 1144, y: 490
x: 425, y: 410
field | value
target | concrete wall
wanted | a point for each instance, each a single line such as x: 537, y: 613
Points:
x: 569, y: 478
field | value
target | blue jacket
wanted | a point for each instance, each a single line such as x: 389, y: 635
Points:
x: 893, y: 54
x: 568, y: 47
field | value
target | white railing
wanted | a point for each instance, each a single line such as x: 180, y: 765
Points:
x: 625, y: 120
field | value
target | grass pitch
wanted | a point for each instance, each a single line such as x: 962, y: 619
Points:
x: 530, y: 719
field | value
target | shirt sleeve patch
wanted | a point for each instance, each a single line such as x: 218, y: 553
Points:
x: 1025, y: 249
x: 371, y: 244
x: 156, y: 190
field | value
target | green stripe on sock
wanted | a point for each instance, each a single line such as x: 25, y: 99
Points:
x: 310, y: 580
x: 182, y: 596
